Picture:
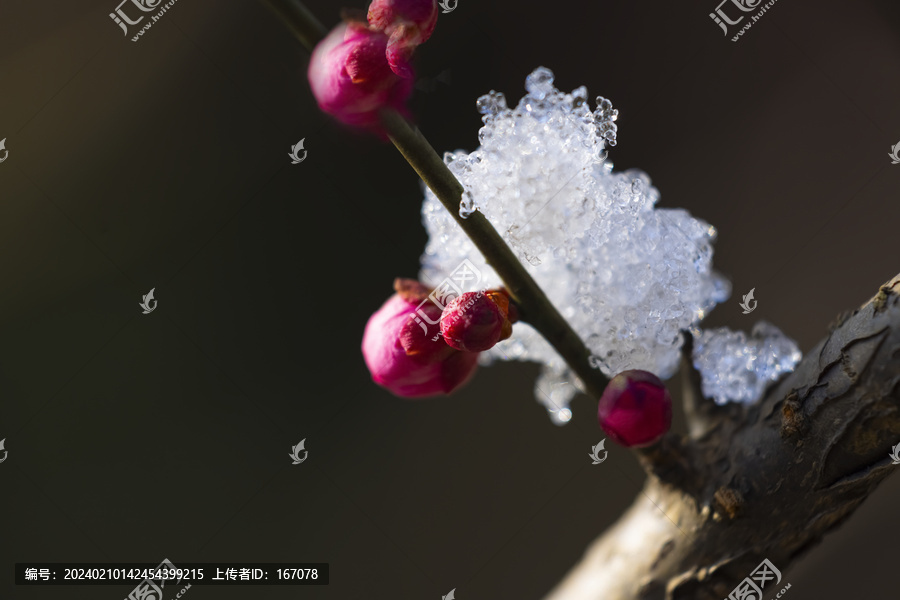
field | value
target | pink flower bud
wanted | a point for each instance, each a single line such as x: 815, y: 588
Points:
x: 635, y: 409
x: 476, y: 321
x: 350, y: 76
x: 401, y: 351
x: 408, y: 23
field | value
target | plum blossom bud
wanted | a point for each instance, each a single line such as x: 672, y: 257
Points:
x: 350, y: 76
x: 402, y: 354
x: 407, y: 23
x: 476, y: 321
x: 635, y: 409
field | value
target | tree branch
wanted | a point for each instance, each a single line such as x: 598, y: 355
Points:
x: 534, y: 306
x: 765, y: 481
x: 308, y: 30
x: 768, y: 482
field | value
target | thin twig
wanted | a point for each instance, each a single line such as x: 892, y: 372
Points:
x: 534, y: 306
x: 302, y: 23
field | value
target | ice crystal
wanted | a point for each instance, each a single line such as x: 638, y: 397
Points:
x: 626, y: 275
x: 735, y: 368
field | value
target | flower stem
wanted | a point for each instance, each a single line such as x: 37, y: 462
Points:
x: 534, y: 306
x: 302, y: 23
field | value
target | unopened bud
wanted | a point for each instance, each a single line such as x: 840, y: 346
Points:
x: 404, y: 351
x: 351, y: 79
x: 476, y: 321
x: 635, y: 409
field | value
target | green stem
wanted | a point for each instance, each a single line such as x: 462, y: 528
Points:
x: 302, y: 23
x: 534, y: 306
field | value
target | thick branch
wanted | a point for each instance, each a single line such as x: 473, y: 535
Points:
x: 768, y: 482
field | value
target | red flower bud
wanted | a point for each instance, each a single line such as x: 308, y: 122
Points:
x: 400, y: 350
x: 350, y: 76
x: 408, y: 23
x: 476, y: 321
x: 635, y: 409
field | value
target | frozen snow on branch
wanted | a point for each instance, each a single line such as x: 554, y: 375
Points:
x: 626, y: 275
x: 735, y: 368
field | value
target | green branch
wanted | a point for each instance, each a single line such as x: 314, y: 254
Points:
x: 302, y: 23
x: 534, y: 306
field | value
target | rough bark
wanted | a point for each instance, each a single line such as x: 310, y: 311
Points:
x: 762, y: 481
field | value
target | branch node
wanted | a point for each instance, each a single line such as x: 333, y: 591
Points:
x: 792, y: 423
x: 730, y: 501
x: 881, y: 299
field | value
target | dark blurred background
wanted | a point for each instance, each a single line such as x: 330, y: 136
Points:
x: 163, y: 164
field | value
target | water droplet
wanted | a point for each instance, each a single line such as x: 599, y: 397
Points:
x: 561, y: 416
x: 466, y: 205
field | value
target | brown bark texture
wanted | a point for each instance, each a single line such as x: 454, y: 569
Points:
x: 764, y: 481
